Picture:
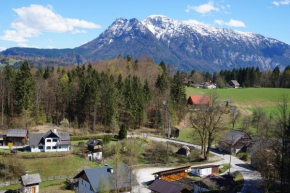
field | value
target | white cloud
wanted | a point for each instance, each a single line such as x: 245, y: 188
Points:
x: 77, y: 31
x: 51, y: 47
x: 50, y: 41
x: 35, y: 19
x: 232, y: 23
x: 2, y: 49
x: 284, y: 2
x: 203, y: 9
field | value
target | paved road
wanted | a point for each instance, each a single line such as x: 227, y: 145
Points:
x: 252, y: 178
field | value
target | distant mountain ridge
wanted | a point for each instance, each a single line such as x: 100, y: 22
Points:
x: 185, y: 44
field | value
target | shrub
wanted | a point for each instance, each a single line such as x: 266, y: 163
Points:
x: 81, y: 144
x: 123, y: 132
x: 107, y: 139
x: 244, y: 156
x: 64, y: 122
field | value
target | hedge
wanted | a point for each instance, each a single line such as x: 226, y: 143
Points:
x: 87, y: 137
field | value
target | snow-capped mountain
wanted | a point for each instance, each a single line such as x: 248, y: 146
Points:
x: 186, y: 44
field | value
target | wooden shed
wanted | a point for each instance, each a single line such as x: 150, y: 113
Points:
x: 18, y: 137
x: 173, y: 174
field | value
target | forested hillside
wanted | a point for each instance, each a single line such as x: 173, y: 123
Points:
x: 97, y: 96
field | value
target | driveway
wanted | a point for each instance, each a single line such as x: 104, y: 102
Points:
x: 252, y: 178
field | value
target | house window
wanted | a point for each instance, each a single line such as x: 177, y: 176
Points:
x: 54, y: 140
x: 48, y: 147
x: 54, y: 147
x: 40, y: 147
x: 48, y: 140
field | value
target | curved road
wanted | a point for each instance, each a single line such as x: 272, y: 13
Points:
x: 252, y: 178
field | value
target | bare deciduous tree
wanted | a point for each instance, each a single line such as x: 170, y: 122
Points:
x: 206, y: 121
x: 235, y: 114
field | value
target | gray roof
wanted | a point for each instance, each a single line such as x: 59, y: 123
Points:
x: 94, y: 142
x: 125, y: 177
x: 235, y: 82
x: 16, y: 133
x: 232, y: 136
x: 162, y: 186
x: 35, y: 138
x: 29, y: 179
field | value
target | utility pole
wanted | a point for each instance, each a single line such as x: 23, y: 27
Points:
x: 231, y: 155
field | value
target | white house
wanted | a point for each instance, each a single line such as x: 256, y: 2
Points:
x: 204, y: 170
x: 30, y: 183
x: 51, y: 141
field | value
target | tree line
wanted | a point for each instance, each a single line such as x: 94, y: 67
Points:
x: 247, y: 77
x: 102, y: 95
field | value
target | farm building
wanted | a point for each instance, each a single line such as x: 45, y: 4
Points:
x: 205, y: 170
x: 30, y: 183
x: 162, y: 186
x: 184, y: 150
x: 234, y: 141
x: 51, y: 141
x: 234, y: 84
x: 123, y: 180
x: 18, y: 137
x: 95, y: 147
x: 198, y: 100
x: 208, y: 85
x: 2, y: 140
x: 173, y: 174
x: 174, y: 132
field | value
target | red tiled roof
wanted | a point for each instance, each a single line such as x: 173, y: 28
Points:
x: 200, y: 100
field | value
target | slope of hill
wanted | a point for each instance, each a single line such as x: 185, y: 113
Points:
x: 185, y: 44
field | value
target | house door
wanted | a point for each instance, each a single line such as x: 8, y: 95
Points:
x: 33, y: 190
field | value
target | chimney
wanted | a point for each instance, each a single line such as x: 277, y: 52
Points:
x: 26, y: 173
x: 55, y: 129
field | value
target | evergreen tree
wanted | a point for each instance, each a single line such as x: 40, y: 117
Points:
x: 123, y: 132
x: 163, y: 66
x: 24, y: 89
x: 147, y: 91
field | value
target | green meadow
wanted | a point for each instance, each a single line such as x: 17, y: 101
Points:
x: 247, y: 98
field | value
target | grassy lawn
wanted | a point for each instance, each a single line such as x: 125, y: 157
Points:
x: 238, y: 178
x: 57, y: 166
x: 225, y: 168
x: 48, y: 186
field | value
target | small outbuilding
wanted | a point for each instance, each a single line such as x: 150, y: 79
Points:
x: 234, y: 84
x: 205, y: 170
x: 18, y: 137
x: 30, y: 183
x: 198, y: 100
x: 173, y: 174
x: 184, y: 150
x: 95, y: 148
x: 234, y: 141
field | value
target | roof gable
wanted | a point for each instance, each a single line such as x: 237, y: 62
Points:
x: 16, y: 133
x: 162, y: 186
x: 30, y: 179
x: 94, y: 176
x: 200, y: 100
x: 232, y: 136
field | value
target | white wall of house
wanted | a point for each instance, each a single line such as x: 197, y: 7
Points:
x: 29, y: 189
x: 50, y: 146
x: 201, y: 172
x: 83, y: 186
x: 95, y: 156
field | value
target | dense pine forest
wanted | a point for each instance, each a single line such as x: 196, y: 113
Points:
x: 100, y: 96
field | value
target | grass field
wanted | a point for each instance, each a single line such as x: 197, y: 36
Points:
x: 247, y: 98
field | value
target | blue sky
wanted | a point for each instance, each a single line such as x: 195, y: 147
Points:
x: 68, y: 24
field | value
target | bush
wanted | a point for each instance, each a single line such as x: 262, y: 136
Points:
x: 123, y: 132
x: 244, y: 156
x: 107, y: 139
x: 64, y: 122
x: 81, y: 144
